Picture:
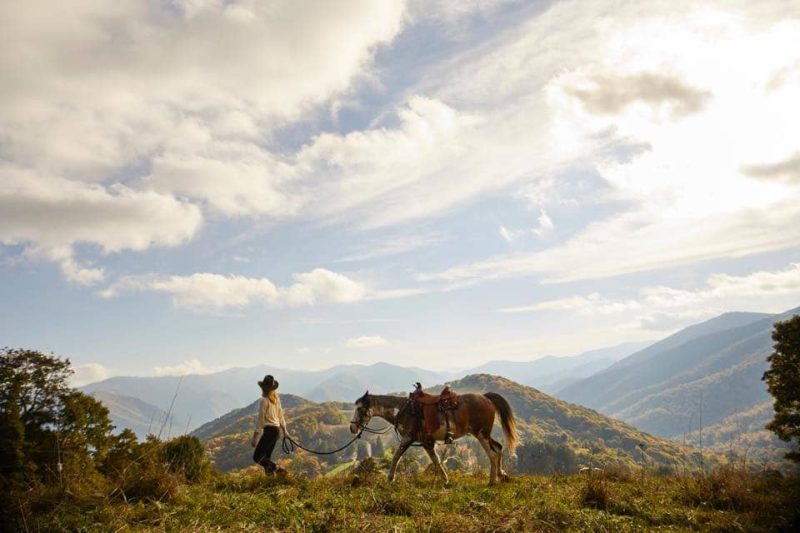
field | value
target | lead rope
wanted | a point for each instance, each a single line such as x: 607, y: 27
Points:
x: 288, y: 444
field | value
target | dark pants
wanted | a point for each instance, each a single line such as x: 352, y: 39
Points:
x: 263, y: 453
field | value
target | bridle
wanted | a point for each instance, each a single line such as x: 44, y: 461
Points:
x: 362, y: 416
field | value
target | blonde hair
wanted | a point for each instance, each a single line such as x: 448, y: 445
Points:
x: 272, y: 396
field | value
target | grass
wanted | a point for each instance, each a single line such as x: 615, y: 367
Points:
x: 724, y: 501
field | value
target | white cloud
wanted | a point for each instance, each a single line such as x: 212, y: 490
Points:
x: 188, y: 367
x: 51, y: 216
x: 321, y: 286
x: 95, y: 95
x: 89, y: 373
x: 545, y: 223
x: 394, y: 246
x: 432, y: 161
x: 683, y: 198
x: 590, y: 304
x: 366, y: 342
x: 206, y: 292
x: 508, y: 235
x: 663, y: 308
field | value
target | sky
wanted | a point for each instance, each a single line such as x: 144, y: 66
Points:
x: 190, y: 185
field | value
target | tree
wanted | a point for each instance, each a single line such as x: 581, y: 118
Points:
x: 47, y: 424
x: 12, y: 436
x: 783, y: 382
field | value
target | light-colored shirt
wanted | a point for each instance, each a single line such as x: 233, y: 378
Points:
x: 270, y: 414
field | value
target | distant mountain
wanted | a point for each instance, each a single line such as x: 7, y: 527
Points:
x: 550, y: 373
x: 596, y: 439
x: 201, y: 398
x: 140, y: 416
x: 705, y: 374
x: 348, y: 383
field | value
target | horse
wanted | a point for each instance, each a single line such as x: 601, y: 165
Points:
x: 474, y: 416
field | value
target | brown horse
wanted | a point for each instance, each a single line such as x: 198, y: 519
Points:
x: 474, y: 415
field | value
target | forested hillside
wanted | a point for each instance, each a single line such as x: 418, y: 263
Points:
x: 701, y: 377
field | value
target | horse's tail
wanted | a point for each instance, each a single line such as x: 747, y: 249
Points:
x: 506, y: 418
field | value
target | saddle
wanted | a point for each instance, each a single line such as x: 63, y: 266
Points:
x: 427, y: 408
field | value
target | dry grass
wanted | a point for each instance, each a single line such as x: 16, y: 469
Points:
x: 603, y: 501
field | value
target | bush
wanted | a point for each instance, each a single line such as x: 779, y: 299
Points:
x: 186, y: 456
x: 366, y: 471
x: 595, y: 492
x: 618, y: 472
x: 546, y: 458
x: 725, y: 489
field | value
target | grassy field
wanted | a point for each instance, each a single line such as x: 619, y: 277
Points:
x: 603, y: 501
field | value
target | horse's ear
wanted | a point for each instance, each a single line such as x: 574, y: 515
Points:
x: 366, y: 393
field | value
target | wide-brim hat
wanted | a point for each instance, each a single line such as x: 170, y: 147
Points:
x: 268, y: 383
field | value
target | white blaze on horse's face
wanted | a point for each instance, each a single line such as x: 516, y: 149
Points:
x: 360, y: 418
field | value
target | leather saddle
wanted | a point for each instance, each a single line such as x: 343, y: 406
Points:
x: 428, y: 407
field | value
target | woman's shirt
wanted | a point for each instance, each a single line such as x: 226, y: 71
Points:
x: 269, y: 414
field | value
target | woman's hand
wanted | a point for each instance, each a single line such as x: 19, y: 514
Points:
x: 285, y: 433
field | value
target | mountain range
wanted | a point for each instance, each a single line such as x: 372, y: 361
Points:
x: 707, y: 376
x: 197, y: 399
x: 704, y: 377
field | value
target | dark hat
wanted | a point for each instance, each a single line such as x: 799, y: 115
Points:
x: 268, y: 383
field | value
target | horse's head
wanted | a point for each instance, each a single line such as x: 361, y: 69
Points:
x: 362, y: 414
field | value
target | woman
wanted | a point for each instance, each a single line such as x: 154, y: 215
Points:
x: 269, y: 423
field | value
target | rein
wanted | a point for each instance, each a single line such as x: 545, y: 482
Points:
x: 289, y: 444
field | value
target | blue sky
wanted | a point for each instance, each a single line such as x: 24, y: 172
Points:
x: 191, y: 185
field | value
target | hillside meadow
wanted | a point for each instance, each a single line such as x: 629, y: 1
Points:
x: 362, y: 500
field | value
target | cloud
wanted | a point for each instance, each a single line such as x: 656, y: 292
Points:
x: 70, y: 268
x: 787, y: 170
x: 206, y: 292
x: 508, y: 235
x: 664, y: 308
x: 119, y: 121
x: 188, y: 367
x: 590, y: 304
x: 607, y: 94
x: 51, y: 216
x: 322, y: 286
x: 635, y: 242
x: 394, y: 246
x: 545, y: 223
x: 383, y: 176
x: 89, y: 373
x: 682, y: 200
x: 366, y: 342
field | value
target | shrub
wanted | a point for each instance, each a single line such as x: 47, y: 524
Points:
x: 186, y: 456
x: 618, y: 472
x: 595, y: 492
x: 366, y: 471
x: 725, y: 489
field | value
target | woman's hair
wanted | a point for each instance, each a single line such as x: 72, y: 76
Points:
x: 272, y: 396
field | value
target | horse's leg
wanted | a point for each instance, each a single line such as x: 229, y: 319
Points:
x: 401, y: 449
x: 499, y: 449
x: 487, y: 447
x: 430, y: 448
